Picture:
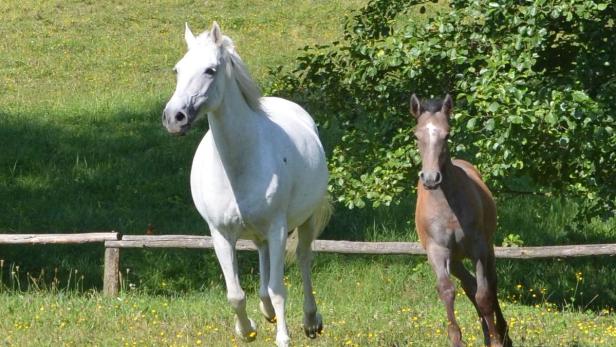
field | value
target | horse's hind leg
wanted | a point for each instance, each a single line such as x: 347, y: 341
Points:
x: 265, y: 304
x: 313, y: 322
x: 224, y: 246
x: 439, y: 259
x: 276, y: 242
x: 469, y: 284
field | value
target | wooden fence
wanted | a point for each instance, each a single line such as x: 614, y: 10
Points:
x: 114, y: 241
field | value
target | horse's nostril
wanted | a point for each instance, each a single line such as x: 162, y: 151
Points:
x: 180, y: 116
x: 438, y: 177
x: 421, y: 175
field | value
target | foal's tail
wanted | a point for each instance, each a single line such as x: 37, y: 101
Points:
x: 317, y: 223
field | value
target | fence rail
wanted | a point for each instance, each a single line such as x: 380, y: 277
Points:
x: 114, y: 241
x: 34, y: 239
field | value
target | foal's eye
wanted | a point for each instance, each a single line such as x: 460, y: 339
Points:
x: 210, y: 71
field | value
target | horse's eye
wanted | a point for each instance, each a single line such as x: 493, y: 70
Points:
x: 210, y: 71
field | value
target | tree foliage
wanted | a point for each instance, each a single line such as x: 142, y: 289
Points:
x: 534, y: 83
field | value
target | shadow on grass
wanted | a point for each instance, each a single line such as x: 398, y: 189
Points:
x: 62, y: 173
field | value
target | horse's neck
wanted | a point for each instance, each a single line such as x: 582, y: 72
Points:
x: 234, y: 128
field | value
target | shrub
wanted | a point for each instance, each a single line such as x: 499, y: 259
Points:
x: 534, y: 84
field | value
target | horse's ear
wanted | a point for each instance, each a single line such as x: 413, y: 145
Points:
x: 188, y: 36
x: 415, y: 106
x: 216, y: 34
x: 447, y: 105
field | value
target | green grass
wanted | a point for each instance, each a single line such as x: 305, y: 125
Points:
x: 373, y: 301
x: 83, y: 85
x: 73, y: 56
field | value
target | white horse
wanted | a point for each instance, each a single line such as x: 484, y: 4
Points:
x: 258, y: 173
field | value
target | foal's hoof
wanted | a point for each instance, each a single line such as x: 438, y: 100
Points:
x: 268, y: 312
x: 313, y: 326
x: 246, y: 334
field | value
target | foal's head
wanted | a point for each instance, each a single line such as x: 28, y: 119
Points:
x: 432, y: 131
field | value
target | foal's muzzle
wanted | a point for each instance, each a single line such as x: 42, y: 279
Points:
x: 431, y: 179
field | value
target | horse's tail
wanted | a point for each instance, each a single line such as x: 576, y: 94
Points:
x: 318, y: 221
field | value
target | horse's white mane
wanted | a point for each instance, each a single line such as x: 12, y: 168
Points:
x: 236, y: 68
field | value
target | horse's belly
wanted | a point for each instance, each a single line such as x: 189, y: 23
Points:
x: 292, y: 196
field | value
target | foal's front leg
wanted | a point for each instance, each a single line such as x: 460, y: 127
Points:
x: 439, y: 258
x: 224, y: 246
x: 277, y: 240
x: 469, y: 284
x: 486, y: 296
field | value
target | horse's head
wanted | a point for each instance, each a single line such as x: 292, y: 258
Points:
x: 200, y: 79
x: 432, y: 131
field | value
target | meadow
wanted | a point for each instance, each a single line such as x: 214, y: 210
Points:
x: 82, y: 88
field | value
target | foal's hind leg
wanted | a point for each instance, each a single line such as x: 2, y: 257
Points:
x: 501, y: 324
x: 313, y: 322
x: 469, y: 284
x: 265, y: 304
x: 439, y: 258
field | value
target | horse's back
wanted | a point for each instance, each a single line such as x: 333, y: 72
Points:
x: 285, y: 112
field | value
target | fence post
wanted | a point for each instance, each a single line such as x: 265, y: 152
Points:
x: 111, y: 277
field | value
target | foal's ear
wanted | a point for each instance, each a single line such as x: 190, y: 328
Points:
x: 415, y: 106
x: 447, y: 105
x: 188, y: 36
x: 216, y: 34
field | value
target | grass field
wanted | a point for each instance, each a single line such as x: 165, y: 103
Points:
x: 373, y: 301
x: 82, y: 88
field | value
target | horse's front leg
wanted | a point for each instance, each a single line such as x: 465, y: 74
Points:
x: 276, y: 240
x: 224, y: 246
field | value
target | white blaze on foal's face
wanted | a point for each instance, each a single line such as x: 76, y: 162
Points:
x: 432, y: 131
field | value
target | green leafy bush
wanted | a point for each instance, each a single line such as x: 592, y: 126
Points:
x: 534, y: 84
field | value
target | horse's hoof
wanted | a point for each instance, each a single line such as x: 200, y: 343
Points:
x: 282, y: 341
x: 247, y: 335
x: 268, y: 312
x: 313, y: 327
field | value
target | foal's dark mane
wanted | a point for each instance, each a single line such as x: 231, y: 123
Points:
x: 431, y: 105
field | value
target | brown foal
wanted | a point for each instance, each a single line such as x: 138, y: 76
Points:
x: 455, y: 218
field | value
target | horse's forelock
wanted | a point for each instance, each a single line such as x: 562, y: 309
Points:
x: 237, y: 69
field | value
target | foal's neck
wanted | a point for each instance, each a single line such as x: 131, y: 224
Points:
x: 449, y: 184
